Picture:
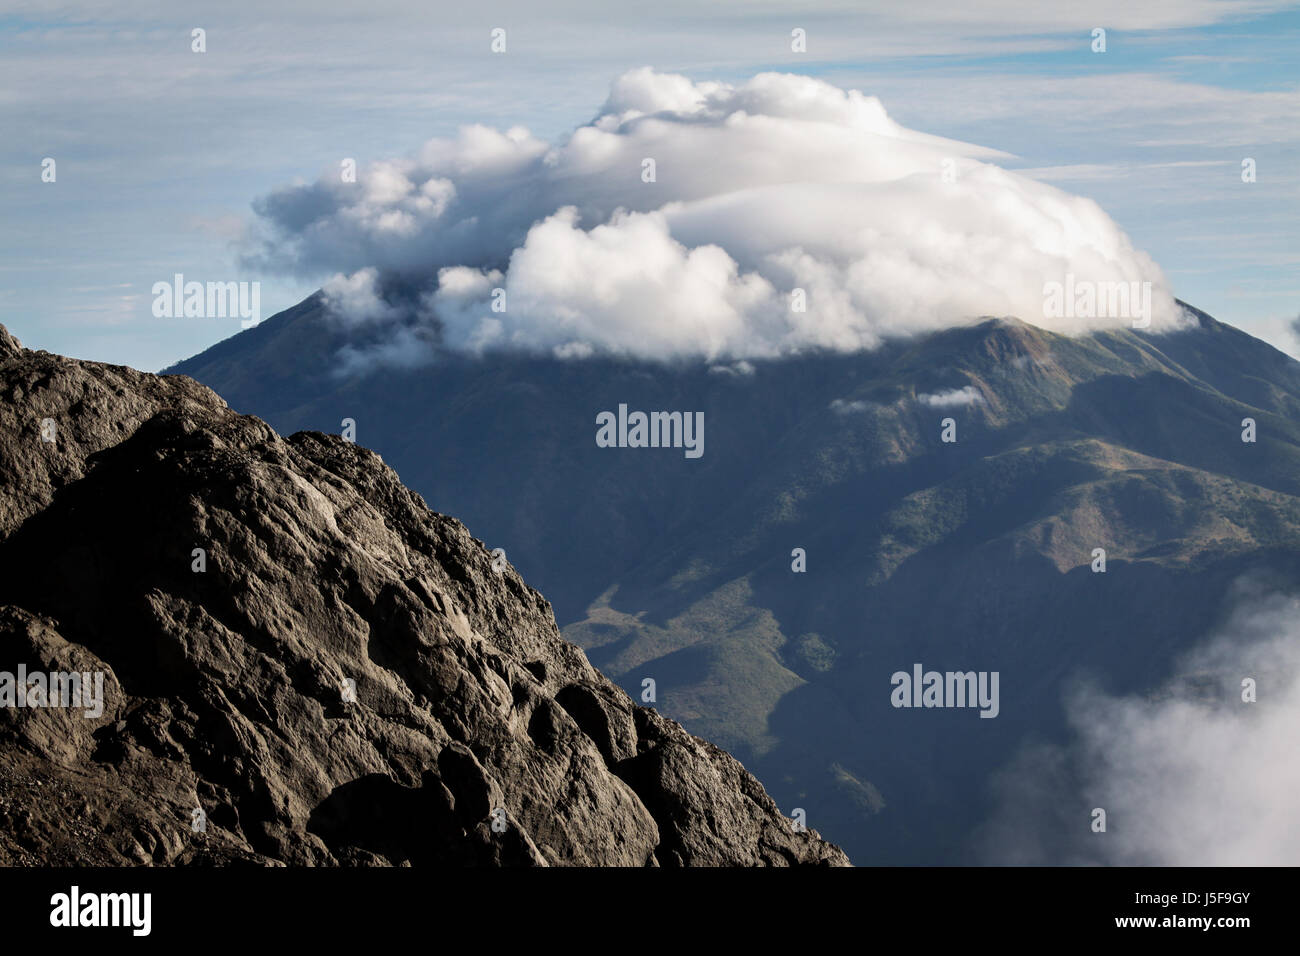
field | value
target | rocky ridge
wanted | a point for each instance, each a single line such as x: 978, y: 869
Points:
x: 304, y: 665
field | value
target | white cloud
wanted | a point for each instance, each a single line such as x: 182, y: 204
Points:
x: 952, y: 398
x: 356, y: 298
x: 780, y: 186
x: 842, y: 406
x: 1189, y: 776
x: 741, y: 369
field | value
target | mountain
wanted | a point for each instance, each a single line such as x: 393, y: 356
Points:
x: 975, y: 554
x: 286, y: 658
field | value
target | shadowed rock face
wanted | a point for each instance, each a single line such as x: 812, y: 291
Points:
x: 228, y: 689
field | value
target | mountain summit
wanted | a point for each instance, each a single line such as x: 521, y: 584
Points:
x: 220, y: 645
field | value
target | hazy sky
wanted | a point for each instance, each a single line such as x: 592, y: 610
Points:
x: 161, y: 151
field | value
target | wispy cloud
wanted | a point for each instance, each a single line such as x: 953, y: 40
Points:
x: 1193, y: 775
x: 952, y: 398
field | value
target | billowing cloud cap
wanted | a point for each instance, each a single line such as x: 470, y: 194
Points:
x: 703, y: 219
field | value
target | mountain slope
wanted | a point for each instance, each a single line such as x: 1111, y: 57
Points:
x: 347, y: 678
x: 971, y: 555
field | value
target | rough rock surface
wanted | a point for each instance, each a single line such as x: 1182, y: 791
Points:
x: 226, y: 689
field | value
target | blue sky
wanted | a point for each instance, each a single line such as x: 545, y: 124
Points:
x: 160, y: 151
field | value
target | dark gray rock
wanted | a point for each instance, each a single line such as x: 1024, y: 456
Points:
x: 225, y: 690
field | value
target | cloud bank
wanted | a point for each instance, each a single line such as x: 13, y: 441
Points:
x: 695, y: 219
x: 1189, y: 776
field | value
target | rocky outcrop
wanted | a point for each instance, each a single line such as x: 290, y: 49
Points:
x: 303, y: 664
